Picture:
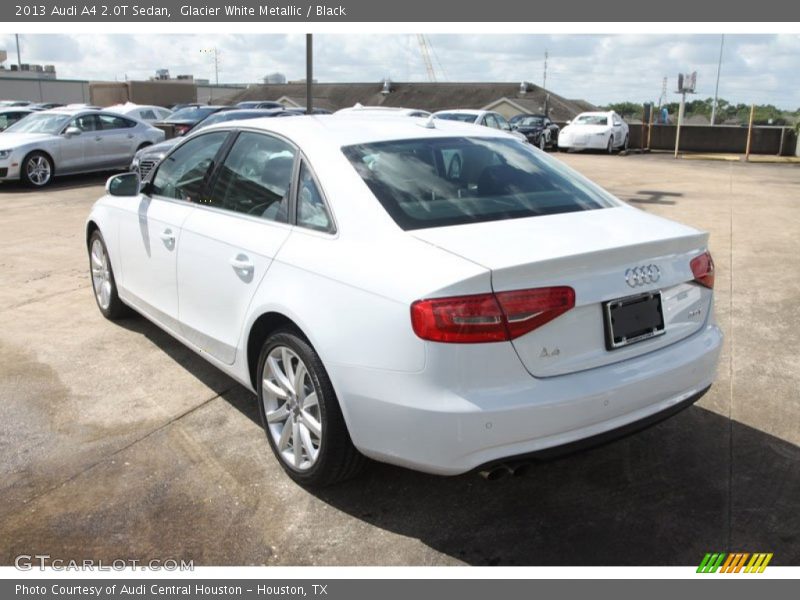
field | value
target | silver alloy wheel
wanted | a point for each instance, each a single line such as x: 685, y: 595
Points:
x: 292, y: 408
x: 542, y: 142
x: 101, y: 275
x: 37, y: 168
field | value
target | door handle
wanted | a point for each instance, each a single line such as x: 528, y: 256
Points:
x: 130, y: 136
x: 167, y: 236
x: 98, y: 139
x: 242, y: 263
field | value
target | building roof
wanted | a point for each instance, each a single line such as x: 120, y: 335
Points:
x: 430, y: 96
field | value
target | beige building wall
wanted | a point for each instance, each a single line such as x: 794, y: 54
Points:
x: 65, y: 91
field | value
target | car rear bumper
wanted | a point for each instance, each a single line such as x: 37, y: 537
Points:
x: 452, y: 418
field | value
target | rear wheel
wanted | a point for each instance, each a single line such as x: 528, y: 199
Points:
x: 37, y: 169
x: 610, y: 147
x: 301, y: 415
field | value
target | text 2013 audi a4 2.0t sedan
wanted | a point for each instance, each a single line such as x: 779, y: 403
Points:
x: 382, y: 305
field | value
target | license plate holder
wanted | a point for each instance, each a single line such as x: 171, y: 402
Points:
x: 633, y: 319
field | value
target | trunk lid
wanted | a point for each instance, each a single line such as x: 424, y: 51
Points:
x: 589, y: 251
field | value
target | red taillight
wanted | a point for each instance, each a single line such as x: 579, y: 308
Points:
x: 703, y: 269
x: 489, y: 317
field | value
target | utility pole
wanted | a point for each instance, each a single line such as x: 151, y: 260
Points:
x: 19, y: 59
x: 716, y: 88
x: 215, y: 53
x: 309, y: 73
x: 544, y: 84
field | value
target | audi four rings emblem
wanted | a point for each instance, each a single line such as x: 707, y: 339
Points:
x: 642, y: 275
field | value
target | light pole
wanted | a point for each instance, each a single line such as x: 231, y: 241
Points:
x: 716, y: 87
x: 309, y: 73
x: 215, y: 52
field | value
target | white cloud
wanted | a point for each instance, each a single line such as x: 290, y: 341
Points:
x: 599, y: 68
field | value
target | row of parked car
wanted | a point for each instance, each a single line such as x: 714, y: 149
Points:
x: 38, y: 141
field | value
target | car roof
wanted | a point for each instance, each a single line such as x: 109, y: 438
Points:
x: 462, y: 111
x: 349, y: 128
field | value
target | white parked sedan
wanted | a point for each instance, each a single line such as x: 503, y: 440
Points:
x: 144, y: 112
x: 381, y: 305
x: 595, y: 131
x: 64, y: 141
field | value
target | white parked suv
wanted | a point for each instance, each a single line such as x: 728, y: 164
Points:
x: 595, y: 131
x: 383, y: 304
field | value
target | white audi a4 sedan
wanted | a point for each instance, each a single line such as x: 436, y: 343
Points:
x: 382, y: 304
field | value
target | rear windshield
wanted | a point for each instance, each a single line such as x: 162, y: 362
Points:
x: 463, y: 117
x: 452, y: 181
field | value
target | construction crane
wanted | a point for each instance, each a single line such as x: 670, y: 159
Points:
x: 425, y: 50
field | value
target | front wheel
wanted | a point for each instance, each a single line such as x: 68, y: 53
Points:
x: 542, y: 142
x: 103, y: 283
x: 301, y: 415
x: 610, y: 147
x: 37, y: 169
x: 625, y: 144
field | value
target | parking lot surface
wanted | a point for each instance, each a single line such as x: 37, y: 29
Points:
x: 118, y: 442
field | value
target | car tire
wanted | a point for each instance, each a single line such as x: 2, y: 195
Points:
x: 625, y: 143
x: 542, y: 142
x: 36, y: 169
x: 610, y: 147
x: 142, y: 146
x: 297, y: 402
x: 104, y: 285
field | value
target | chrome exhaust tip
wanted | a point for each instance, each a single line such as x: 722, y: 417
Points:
x: 497, y: 472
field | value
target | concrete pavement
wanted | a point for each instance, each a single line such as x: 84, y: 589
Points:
x: 118, y: 442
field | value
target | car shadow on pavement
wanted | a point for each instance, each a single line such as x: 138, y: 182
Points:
x: 695, y: 483
x: 663, y: 496
x: 226, y: 387
x: 59, y: 183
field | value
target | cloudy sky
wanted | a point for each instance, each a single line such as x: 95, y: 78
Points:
x: 598, y: 68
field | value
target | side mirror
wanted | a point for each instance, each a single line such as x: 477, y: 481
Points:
x: 126, y: 184
x: 71, y: 131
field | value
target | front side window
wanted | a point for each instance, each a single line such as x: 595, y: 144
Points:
x: 436, y: 182
x: 311, y: 209
x: 256, y: 177
x: 502, y: 123
x: 182, y: 174
x: 86, y: 123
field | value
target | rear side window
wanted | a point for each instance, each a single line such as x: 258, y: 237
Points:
x: 452, y: 181
x: 108, y: 122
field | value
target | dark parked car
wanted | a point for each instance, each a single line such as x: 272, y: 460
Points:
x: 9, y: 116
x: 147, y: 158
x: 186, y: 118
x: 539, y: 130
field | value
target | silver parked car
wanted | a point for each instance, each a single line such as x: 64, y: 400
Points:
x: 62, y: 142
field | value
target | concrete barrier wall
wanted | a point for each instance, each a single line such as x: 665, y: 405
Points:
x: 702, y: 138
x: 65, y: 91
